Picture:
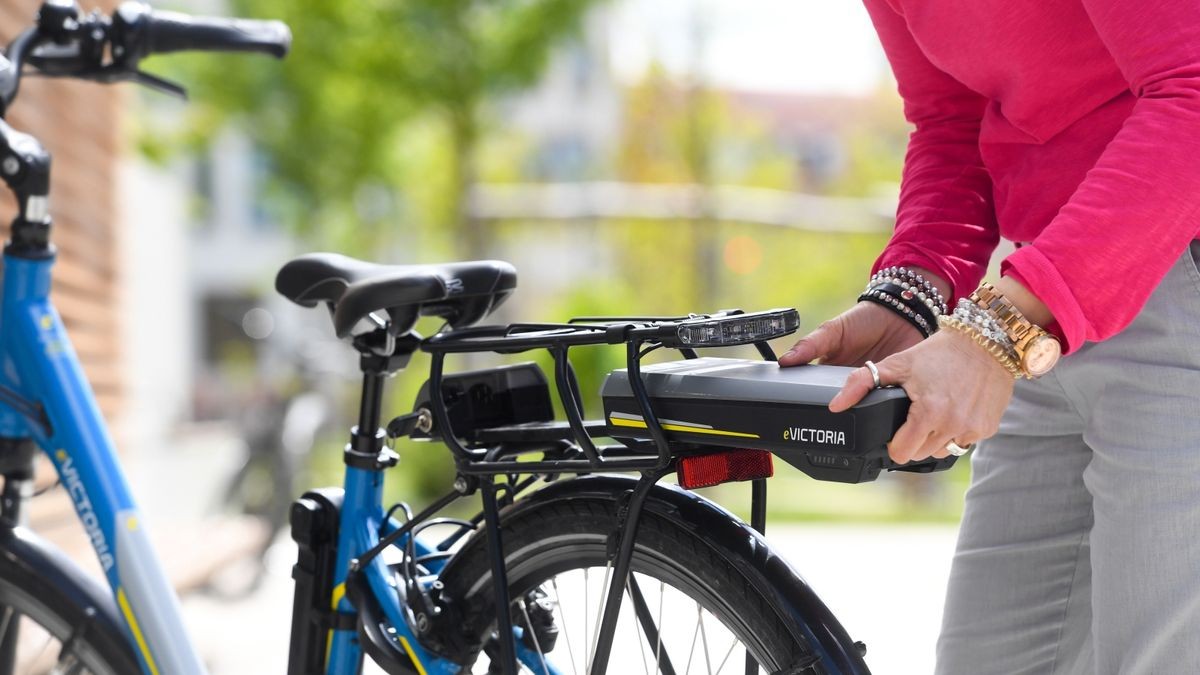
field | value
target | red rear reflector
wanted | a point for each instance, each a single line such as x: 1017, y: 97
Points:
x: 724, y: 467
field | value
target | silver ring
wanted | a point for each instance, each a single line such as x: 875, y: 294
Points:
x: 874, y: 373
x: 959, y: 450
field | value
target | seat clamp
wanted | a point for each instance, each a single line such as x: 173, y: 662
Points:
x: 366, y: 451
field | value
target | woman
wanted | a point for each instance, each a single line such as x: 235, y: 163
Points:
x: 1071, y: 127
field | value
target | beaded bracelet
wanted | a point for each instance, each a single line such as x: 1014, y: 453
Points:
x: 1004, y: 355
x: 905, y: 296
x: 919, y: 286
x: 908, y: 294
x: 972, y: 314
x: 896, y: 305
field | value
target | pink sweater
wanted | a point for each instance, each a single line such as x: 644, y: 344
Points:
x: 1069, y: 126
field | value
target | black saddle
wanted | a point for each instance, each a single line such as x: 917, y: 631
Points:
x: 462, y: 293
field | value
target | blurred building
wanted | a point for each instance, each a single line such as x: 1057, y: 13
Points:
x: 573, y: 116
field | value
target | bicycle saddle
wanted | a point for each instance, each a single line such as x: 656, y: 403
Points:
x: 462, y: 293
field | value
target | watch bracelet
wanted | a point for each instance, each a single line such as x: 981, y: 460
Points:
x: 1005, y: 357
x: 897, y: 306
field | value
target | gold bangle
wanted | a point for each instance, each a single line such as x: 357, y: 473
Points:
x: 992, y: 347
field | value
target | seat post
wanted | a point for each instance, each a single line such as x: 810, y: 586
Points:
x: 380, y: 355
x: 366, y: 447
x: 371, y: 404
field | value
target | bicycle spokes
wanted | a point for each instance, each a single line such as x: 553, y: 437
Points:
x: 655, y: 618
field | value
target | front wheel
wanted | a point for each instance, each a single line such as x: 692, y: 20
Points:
x: 45, y: 628
x: 687, y: 607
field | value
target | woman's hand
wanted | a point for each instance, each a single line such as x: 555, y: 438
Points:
x: 866, y: 331
x: 958, y: 393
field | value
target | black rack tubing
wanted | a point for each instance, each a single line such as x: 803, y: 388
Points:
x: 622, y: 319
x: 441, y: 416
x: 622, y: 565
x: 567, y: 393
x: 764, y: 349
x: 475, y: 520
x: 612, y: 454
x: 758, y: 500
x: 457, y: 343
x: 579, y: 466
x: 571, y: 451
x: 650, y: 629
x: 495, y: 548
x: 495, y: 339
x: 638, y: 388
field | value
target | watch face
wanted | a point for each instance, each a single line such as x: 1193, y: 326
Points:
x: 1041, y: 355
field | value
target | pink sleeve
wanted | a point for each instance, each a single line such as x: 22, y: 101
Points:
x: 1098, y: 261
x: 945, y: 221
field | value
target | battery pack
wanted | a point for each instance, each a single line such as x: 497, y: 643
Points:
x: 736, y: 403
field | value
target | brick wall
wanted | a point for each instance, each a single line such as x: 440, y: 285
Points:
x: 80, y: 124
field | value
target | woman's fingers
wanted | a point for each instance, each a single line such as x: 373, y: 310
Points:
x: 912, y: 436
x: 935, y: 445
x: 892, y: 371
x: 858, y: 385
x: 816, y: 345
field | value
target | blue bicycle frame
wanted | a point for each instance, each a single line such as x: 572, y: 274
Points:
x: 60, y: 414
x: 48, y: 399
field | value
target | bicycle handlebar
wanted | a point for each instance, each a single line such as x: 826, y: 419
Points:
x: 138, y: 30
x: 66, y: 43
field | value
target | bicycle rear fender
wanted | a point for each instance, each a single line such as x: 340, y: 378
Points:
x: 734, y: 540
x: 20, y: 547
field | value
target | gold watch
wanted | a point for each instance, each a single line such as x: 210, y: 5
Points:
x: 1037, y: 351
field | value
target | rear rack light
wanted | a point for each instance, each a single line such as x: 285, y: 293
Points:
x: 724, y: 467
x: 731, y: 329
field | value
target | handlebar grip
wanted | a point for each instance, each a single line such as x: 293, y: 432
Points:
x: 144, y: 31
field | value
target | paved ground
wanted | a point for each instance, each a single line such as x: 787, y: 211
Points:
x: 885, y: 584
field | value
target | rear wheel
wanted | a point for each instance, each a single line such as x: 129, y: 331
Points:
x: 686, y: 609
x: 42, y: 631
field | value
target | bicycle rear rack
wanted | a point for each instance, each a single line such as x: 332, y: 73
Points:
x: 574, y: 449
x: 640, y: 335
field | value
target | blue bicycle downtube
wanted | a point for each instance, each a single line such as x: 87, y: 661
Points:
x: 78, y: 443
x: 361, y: 518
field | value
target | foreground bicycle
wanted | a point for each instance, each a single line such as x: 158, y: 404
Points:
x: 589, y: 572
x: 588, y: 569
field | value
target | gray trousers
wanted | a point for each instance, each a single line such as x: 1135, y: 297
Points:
x: 1080, y: 545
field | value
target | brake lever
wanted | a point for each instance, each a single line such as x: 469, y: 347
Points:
x: 113, y: 73
x: 159, y: 84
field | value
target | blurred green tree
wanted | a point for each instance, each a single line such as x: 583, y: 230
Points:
x: 336, y: 119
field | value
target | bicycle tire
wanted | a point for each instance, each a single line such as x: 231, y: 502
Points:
x: 546, y: 539
x: 27, y: 595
